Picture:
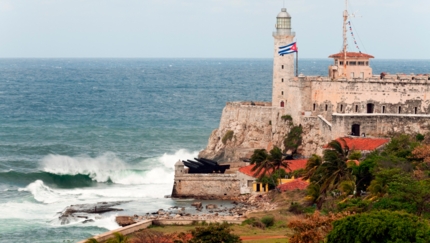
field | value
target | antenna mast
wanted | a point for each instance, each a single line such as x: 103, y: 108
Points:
x: 345, y: 38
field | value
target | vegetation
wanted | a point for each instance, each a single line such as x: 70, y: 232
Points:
x: 293, y: 139
x: 380, y: 226
x: 214, y: 233
x: 268, y: 164
x: 118, y: 238
x: 312, y: 228
x: 287, y: 118
x: 228, y: 136
x: 268, y: 221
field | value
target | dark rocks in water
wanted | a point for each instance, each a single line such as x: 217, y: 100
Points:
x: 79, y: 211
x: 197, y: 204
x: 211, y: 206
x: 88, y: 221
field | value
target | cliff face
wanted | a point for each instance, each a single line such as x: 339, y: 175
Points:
x: 244, y: 127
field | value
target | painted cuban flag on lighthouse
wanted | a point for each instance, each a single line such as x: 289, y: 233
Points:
x: 288, y: 49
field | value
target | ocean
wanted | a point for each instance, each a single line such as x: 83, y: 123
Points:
x: 76, y: 131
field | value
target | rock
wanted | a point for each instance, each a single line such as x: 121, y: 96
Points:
x: 124, y: 220
x: 197, y: 204
x: 211, y: 206
x: 161, y: 212
x: 88, y: 221
x: 75, y: 212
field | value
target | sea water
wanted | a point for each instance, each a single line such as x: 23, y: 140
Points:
x: 76, y: 131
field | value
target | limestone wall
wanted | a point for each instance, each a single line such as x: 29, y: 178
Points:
x: 348, y: 97
x: 206, y: 186
x: 252, y: 129
x: 380, y: 124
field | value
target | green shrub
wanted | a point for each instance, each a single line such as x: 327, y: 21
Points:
x: 214, y: 233
x: 249, y: 221
x: 380, y: 226
x: 294, y: 138
x: 268, y: 220
x: 287, y: 118
x: 419, y: 137
x: 258, y: 224
x: 296, y: 208
x: 228, y: 136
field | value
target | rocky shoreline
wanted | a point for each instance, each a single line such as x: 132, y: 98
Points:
x: 243, y: 205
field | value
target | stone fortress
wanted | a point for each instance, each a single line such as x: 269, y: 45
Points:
x: 350, y: 101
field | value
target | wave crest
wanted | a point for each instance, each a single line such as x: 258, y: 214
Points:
x: 108, y: 167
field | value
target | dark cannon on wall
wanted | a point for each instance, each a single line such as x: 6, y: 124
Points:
x: 204, y: 166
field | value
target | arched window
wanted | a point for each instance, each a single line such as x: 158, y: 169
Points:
x: 341, y: 108
x: 282, y: 104
x: 315, y: 106
x: 400, y: 109
x: 383, y: 109
x: 356, y: 108
x: 326, y: 107
x: 282, y: 92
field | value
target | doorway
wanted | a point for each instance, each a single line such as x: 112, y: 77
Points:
x: 355, y: 130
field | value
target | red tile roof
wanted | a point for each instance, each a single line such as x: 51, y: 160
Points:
x: 292, y: 166
x: 294, y: 185
x: 351, y: 55
x: 362, y: 144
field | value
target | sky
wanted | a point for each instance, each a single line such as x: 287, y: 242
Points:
x: 387, y: 29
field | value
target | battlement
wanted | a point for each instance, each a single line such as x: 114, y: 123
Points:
x: 249, y: 103
x: 396, y: 78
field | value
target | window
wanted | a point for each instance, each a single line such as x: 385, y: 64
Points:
x: 315, y: 106
x: 367, y: 63
x: 282, y: 104
x: 352, y: 75
x: 352, y: 63
x: 400, y: 109
x: 341, y: 63
x: 362, y: 75
x: 282, y: 80
x: 416, y: 110
x: 282, y: 92
x: 360, y: 63
x: 282, y: 66
x: 341, y: 108
x: 383, y: 109
x: 250, y: 182
x: 326, y: 107
x: 370, y: 108
x: 356, y: 108
x: 335, y: 62
x: 355, y: 130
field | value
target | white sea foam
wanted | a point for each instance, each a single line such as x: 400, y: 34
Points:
x: 109, y: 167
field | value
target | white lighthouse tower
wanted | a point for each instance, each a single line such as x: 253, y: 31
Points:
x: 283, y: 66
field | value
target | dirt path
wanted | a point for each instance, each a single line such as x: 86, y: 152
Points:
x: 262, y: 237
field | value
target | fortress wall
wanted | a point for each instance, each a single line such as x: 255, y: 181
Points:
x: 389, y: 93
x: 252, y: 129
x: 380, y: 124
x: 206, y: 186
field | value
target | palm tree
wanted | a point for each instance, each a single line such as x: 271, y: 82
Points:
x: 312, y: 166
x: 334, y: 168
x: 267, y: 163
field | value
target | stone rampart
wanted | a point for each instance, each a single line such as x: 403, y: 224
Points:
x: 252, y: 129
x: 206, y: 186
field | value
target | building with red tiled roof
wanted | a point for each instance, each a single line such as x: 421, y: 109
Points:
x: 293, y: 165
x: 362, y: 144
x: 296, y: 184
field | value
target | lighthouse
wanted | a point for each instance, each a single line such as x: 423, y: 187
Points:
x: 283, y: 65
